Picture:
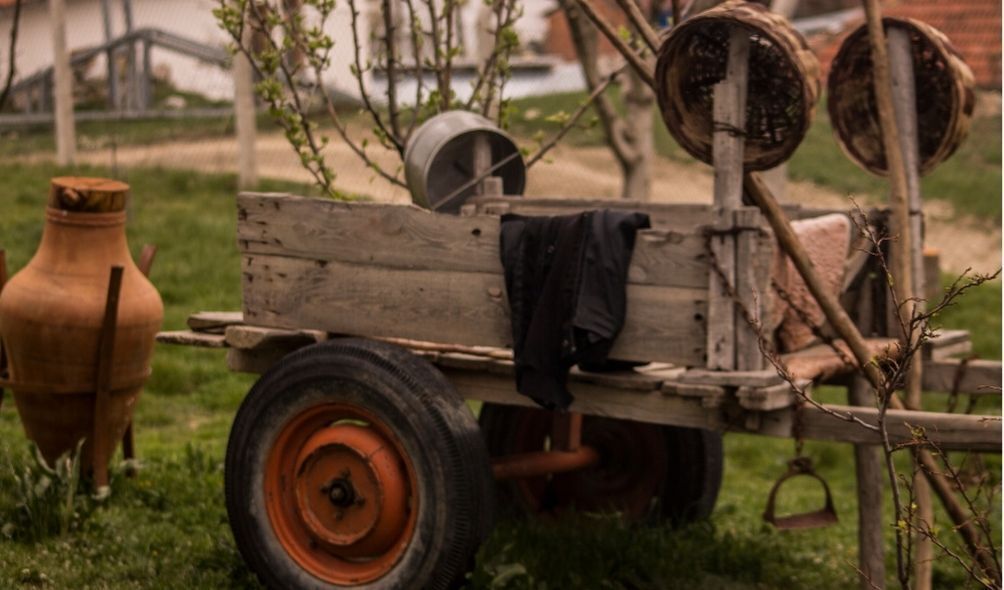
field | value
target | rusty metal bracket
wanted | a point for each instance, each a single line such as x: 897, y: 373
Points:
x: 825, y: 516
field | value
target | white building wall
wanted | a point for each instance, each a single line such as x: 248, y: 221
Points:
x: 194, y: 19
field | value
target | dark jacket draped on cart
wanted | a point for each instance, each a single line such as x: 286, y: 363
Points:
x: 565, y: 278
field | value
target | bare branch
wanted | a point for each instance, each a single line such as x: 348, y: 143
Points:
x: 644, y: 67
x: 385, y: 134
x: 614, y: 129
x: 11, y: 65
x: 415, y: 33
x: 641, y: 24
x: 390, y: 45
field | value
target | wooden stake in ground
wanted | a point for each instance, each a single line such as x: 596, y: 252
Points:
x: 871, y: 525
x: 101, y: 447
x: 66, y: 136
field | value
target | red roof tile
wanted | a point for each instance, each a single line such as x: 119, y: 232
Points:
x: 973, y: 26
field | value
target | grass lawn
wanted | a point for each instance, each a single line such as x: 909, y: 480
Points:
x: 167, y: 527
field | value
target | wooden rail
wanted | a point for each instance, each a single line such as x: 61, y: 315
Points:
x: 753, y: 402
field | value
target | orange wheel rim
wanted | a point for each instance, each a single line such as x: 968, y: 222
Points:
x: 341, y: 494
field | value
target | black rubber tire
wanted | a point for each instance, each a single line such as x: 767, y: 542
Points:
x: 432, y: 422
x: 691, y: 465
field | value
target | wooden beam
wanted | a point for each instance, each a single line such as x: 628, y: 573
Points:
x: 681, y: 404
x: 110, y: 70
x: 979, y: 377
x: 754, y: 263
x: 954, y: 431
x: 469, y: 308
x: 66, y: 136
x: 101, y: 445
x: 189, y: 338
x: 727, y: 153
x: 411, y: 238
x: 904, y: 102
x: 214, y: 321
x: 871, y: 526
x: 257, y: 337
x: 244, y: 117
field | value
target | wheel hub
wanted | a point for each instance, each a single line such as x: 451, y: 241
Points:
x: 351, y: 491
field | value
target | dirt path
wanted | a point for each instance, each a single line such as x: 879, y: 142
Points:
x: 569, y: 172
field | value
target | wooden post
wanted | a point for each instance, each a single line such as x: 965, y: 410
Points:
x: 727, y: 154
x: 147, y: 94
x: 904, y: 102
x: 113, y: 89
x: 132, y: 79
x: 868, y: 468
x: 481, y: 161
x: 754, y: 259
x: 903, y: 246
x: 101, y: 447
x: 244, y: 115
x: 66, y: 136
x: 3, y: 281
x: 128, y: 439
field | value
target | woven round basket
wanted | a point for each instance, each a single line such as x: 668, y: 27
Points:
x: 782, y: 88
x: 944, y: 90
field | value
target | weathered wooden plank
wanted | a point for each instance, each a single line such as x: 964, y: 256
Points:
x: 754, y: 262
x: 771, y: 397
x: 711, y: 396
x: 948, y: 343
x: 254, y: 361
x: 668, y: 216
x: 721, y: 330
x: 190, y: 338
x: 591, y: 399
x: 214, y: 321
x: 980, y: 377
x: 619, y: 379
x: 950, y: 431
x: 410, y: 238
x: 763, y: 378
x: 870, y: 482
x: 388, y: 235
x: 729, y: 107
x: 258, y: 337
x: 662, y: 324
x: 491, y: 380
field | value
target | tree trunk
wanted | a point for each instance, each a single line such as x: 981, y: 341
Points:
x: 639, y: 105
x: 629, y: 137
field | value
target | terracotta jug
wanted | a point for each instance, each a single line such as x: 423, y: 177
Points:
x: 51, y: 314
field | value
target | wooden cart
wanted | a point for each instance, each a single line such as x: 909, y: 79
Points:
x: 354, y: 459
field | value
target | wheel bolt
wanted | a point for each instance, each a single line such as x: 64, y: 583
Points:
x: 341, y: 492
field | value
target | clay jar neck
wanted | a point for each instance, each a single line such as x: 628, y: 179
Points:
x: 74, y: 241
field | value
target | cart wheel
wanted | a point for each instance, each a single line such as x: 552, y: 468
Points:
x: 646, y: 471
x: 356, y: 463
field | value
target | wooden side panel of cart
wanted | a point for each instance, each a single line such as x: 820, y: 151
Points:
x: 400, y: 271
